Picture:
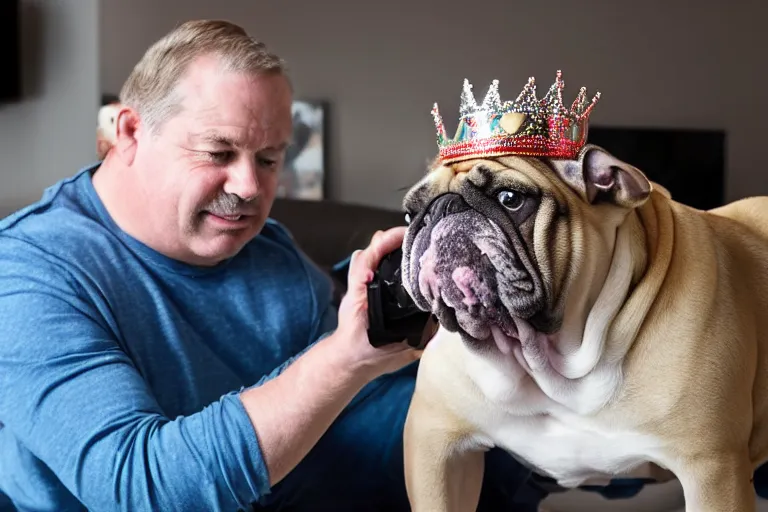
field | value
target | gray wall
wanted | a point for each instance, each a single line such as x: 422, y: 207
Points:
x: 656, y: 63
x: 50, y: 134
x: 382, y: 65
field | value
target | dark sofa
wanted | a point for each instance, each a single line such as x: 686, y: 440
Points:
x: 330, y: 231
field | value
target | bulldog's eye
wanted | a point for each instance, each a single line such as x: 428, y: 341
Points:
x: 511, y: 200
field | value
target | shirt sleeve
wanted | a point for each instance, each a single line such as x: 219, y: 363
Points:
x: 75, y: 400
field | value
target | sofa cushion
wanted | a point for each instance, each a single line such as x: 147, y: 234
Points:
x: 328, y: 231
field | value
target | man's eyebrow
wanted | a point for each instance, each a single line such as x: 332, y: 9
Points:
x: 224, y: 140
x: 280, y: 147
x: 215, y: 137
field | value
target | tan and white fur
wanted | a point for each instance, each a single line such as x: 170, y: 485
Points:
x: 634, y: 340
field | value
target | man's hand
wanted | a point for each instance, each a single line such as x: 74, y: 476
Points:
x: 292, y: 411
x: 351, y: 336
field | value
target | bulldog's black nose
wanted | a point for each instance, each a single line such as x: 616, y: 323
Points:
x: 448, y: 204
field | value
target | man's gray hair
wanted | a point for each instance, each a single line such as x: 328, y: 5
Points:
x: 151, y: 87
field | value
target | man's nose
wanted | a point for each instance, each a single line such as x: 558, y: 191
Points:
x: 243, y: 181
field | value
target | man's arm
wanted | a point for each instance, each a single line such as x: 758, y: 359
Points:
x: 292, y: 411
x: 73, y: 397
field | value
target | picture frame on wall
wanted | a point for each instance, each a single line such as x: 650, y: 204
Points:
x: 304, y: 173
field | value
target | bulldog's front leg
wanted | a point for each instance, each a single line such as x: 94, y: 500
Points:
x: 443, y: 464
x: 717, y: 484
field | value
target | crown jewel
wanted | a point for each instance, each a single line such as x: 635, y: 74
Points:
x: 526, y: 126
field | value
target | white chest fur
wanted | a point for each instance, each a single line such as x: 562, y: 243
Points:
x: 572, y: 452
x: 559, y: 438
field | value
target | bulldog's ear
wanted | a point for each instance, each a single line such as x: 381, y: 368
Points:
x: 600, y: 177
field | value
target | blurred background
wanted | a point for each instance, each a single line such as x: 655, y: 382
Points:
x: 695, y: 68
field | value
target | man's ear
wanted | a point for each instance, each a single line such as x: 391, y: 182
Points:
x: 127, y: 124
x: 600, y: 177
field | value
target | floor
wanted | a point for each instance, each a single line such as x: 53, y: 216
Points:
x: 656, y: 498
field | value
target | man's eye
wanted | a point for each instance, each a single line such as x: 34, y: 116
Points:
x: 221, y: 157
x: 267, y: 162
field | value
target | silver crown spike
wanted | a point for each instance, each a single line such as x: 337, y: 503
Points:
x: 468, y: 103
x: 553, y: 100
x: 492, y: 101
x: 580, y: 103
x: 438, y: 119
x: 591, y: 105
x: 527, y: 100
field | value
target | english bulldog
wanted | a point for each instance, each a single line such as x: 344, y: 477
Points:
x: 590, y: 325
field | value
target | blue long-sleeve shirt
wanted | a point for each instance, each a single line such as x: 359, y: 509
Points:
x: 120, y: 368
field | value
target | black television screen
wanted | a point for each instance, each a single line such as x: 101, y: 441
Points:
x: 689, y: 163
x: 10, y: 50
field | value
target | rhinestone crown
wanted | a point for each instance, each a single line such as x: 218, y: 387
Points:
x: 526, y: 126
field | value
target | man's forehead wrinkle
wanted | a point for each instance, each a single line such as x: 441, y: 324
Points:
x: 243, y: 121
x: 222, y: 137
x: 213, y: 135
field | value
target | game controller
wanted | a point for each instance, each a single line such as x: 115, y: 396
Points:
x: 392, y: 315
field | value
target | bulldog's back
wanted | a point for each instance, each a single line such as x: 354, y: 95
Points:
x: 741, y: 232
x: 750, y: 213
x: 742, y: 228
x: 716, y: 303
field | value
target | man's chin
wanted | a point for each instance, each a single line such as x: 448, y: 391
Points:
x: 213, y: 247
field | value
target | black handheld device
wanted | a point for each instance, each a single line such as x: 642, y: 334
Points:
x: 392, y: 315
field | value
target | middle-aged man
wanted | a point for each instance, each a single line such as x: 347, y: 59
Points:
x: 164, y: 346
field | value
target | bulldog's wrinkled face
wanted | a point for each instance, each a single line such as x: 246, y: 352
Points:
x: 495, y: 242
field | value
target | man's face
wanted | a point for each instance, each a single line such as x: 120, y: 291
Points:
x: 209, y: 175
